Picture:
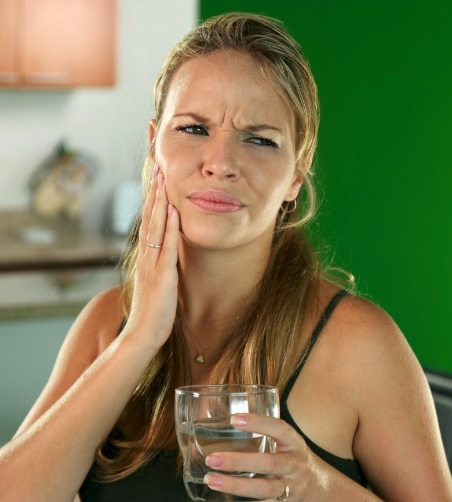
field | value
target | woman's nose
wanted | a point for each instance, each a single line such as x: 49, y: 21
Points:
x: 221, y: 158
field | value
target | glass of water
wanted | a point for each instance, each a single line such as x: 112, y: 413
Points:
x: 203, y: 414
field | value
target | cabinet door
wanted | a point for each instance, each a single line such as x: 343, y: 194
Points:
x: 92, y: 40
x: 7, y: 50
x: 65, y: 43
x: 44, y: 42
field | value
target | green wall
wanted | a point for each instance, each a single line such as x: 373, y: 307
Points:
x: 384, y: 163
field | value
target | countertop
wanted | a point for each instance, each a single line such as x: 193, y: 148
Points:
x: 50, y: 268
x: 30, y: 243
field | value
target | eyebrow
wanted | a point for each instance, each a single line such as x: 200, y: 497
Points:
x: 260, y: 127
x: 251, y: 127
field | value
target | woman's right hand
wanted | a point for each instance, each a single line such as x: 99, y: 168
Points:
x: 154, y: 300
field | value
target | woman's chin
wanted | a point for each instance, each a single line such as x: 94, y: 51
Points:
x: 210, y: 235
x: 205, y: 242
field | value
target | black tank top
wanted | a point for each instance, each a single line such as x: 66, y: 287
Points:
x: 349, y: 467
x: 159, y: 479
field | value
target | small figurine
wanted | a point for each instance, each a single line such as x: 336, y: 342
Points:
x: 59, y: 184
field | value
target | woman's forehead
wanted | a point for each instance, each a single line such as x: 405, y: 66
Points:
x: 226, y: 79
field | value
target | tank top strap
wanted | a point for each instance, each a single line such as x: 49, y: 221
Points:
x: 315, y: 335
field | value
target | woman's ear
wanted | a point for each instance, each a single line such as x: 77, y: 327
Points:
x: 295, y: 187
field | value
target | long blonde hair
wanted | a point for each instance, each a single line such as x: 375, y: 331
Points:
x: 265, y: 346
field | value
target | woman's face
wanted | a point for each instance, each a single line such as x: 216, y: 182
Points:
x: 225, y: 143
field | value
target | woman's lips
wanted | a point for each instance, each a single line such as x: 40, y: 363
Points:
x: 215, y: 202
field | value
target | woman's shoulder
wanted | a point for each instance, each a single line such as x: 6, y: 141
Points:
x: 360, y: 343
x: 365, y: 350
x: 107, y: 302
x: 376, y: 373
x: 358, y: 353
x: 354, y: 319
x: 101, y: 318
x: 93, y: 331
x: 366, y: 325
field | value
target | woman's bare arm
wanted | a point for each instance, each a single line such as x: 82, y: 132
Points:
x: 398, y: 441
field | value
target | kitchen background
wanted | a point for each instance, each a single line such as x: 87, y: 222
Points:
x: 383, y: 167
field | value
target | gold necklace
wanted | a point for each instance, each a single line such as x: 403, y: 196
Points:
x: 200, y: 354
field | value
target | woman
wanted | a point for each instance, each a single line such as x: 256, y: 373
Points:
x: 222, y: 286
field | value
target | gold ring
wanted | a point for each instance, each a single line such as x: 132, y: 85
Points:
x: 153, y: 246
x: 286, y: 490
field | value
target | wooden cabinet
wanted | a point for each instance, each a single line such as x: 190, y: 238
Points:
x: 7, y: 42
x: 57, y: 43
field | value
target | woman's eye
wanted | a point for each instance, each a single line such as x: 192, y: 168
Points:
x: 193, y: 129
x: 262, y: 142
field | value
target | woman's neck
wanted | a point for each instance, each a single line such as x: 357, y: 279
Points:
x: 216, y: 287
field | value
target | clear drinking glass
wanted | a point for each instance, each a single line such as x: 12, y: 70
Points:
x: 203, y: 413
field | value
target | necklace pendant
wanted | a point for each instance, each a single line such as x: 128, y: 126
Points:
x: 199, y: 359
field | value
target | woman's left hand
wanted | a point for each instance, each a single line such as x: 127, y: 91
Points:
x: 291, y: 465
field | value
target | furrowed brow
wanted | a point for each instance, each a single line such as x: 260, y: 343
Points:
x: 250, y: 127
x: 195, y: 116
x: 262, y: 127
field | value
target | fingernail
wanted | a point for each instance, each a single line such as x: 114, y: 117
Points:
x: 213, y: 461
x: 213, y: 480
x: 170, y: 210
x: 155, y: 170
x: 238, y: 420
x: 161, y: 180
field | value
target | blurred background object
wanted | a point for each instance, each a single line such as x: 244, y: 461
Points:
x: 126, y: 204
x: 58, y: 186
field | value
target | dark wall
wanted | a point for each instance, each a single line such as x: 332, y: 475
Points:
x: 384, y: 161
